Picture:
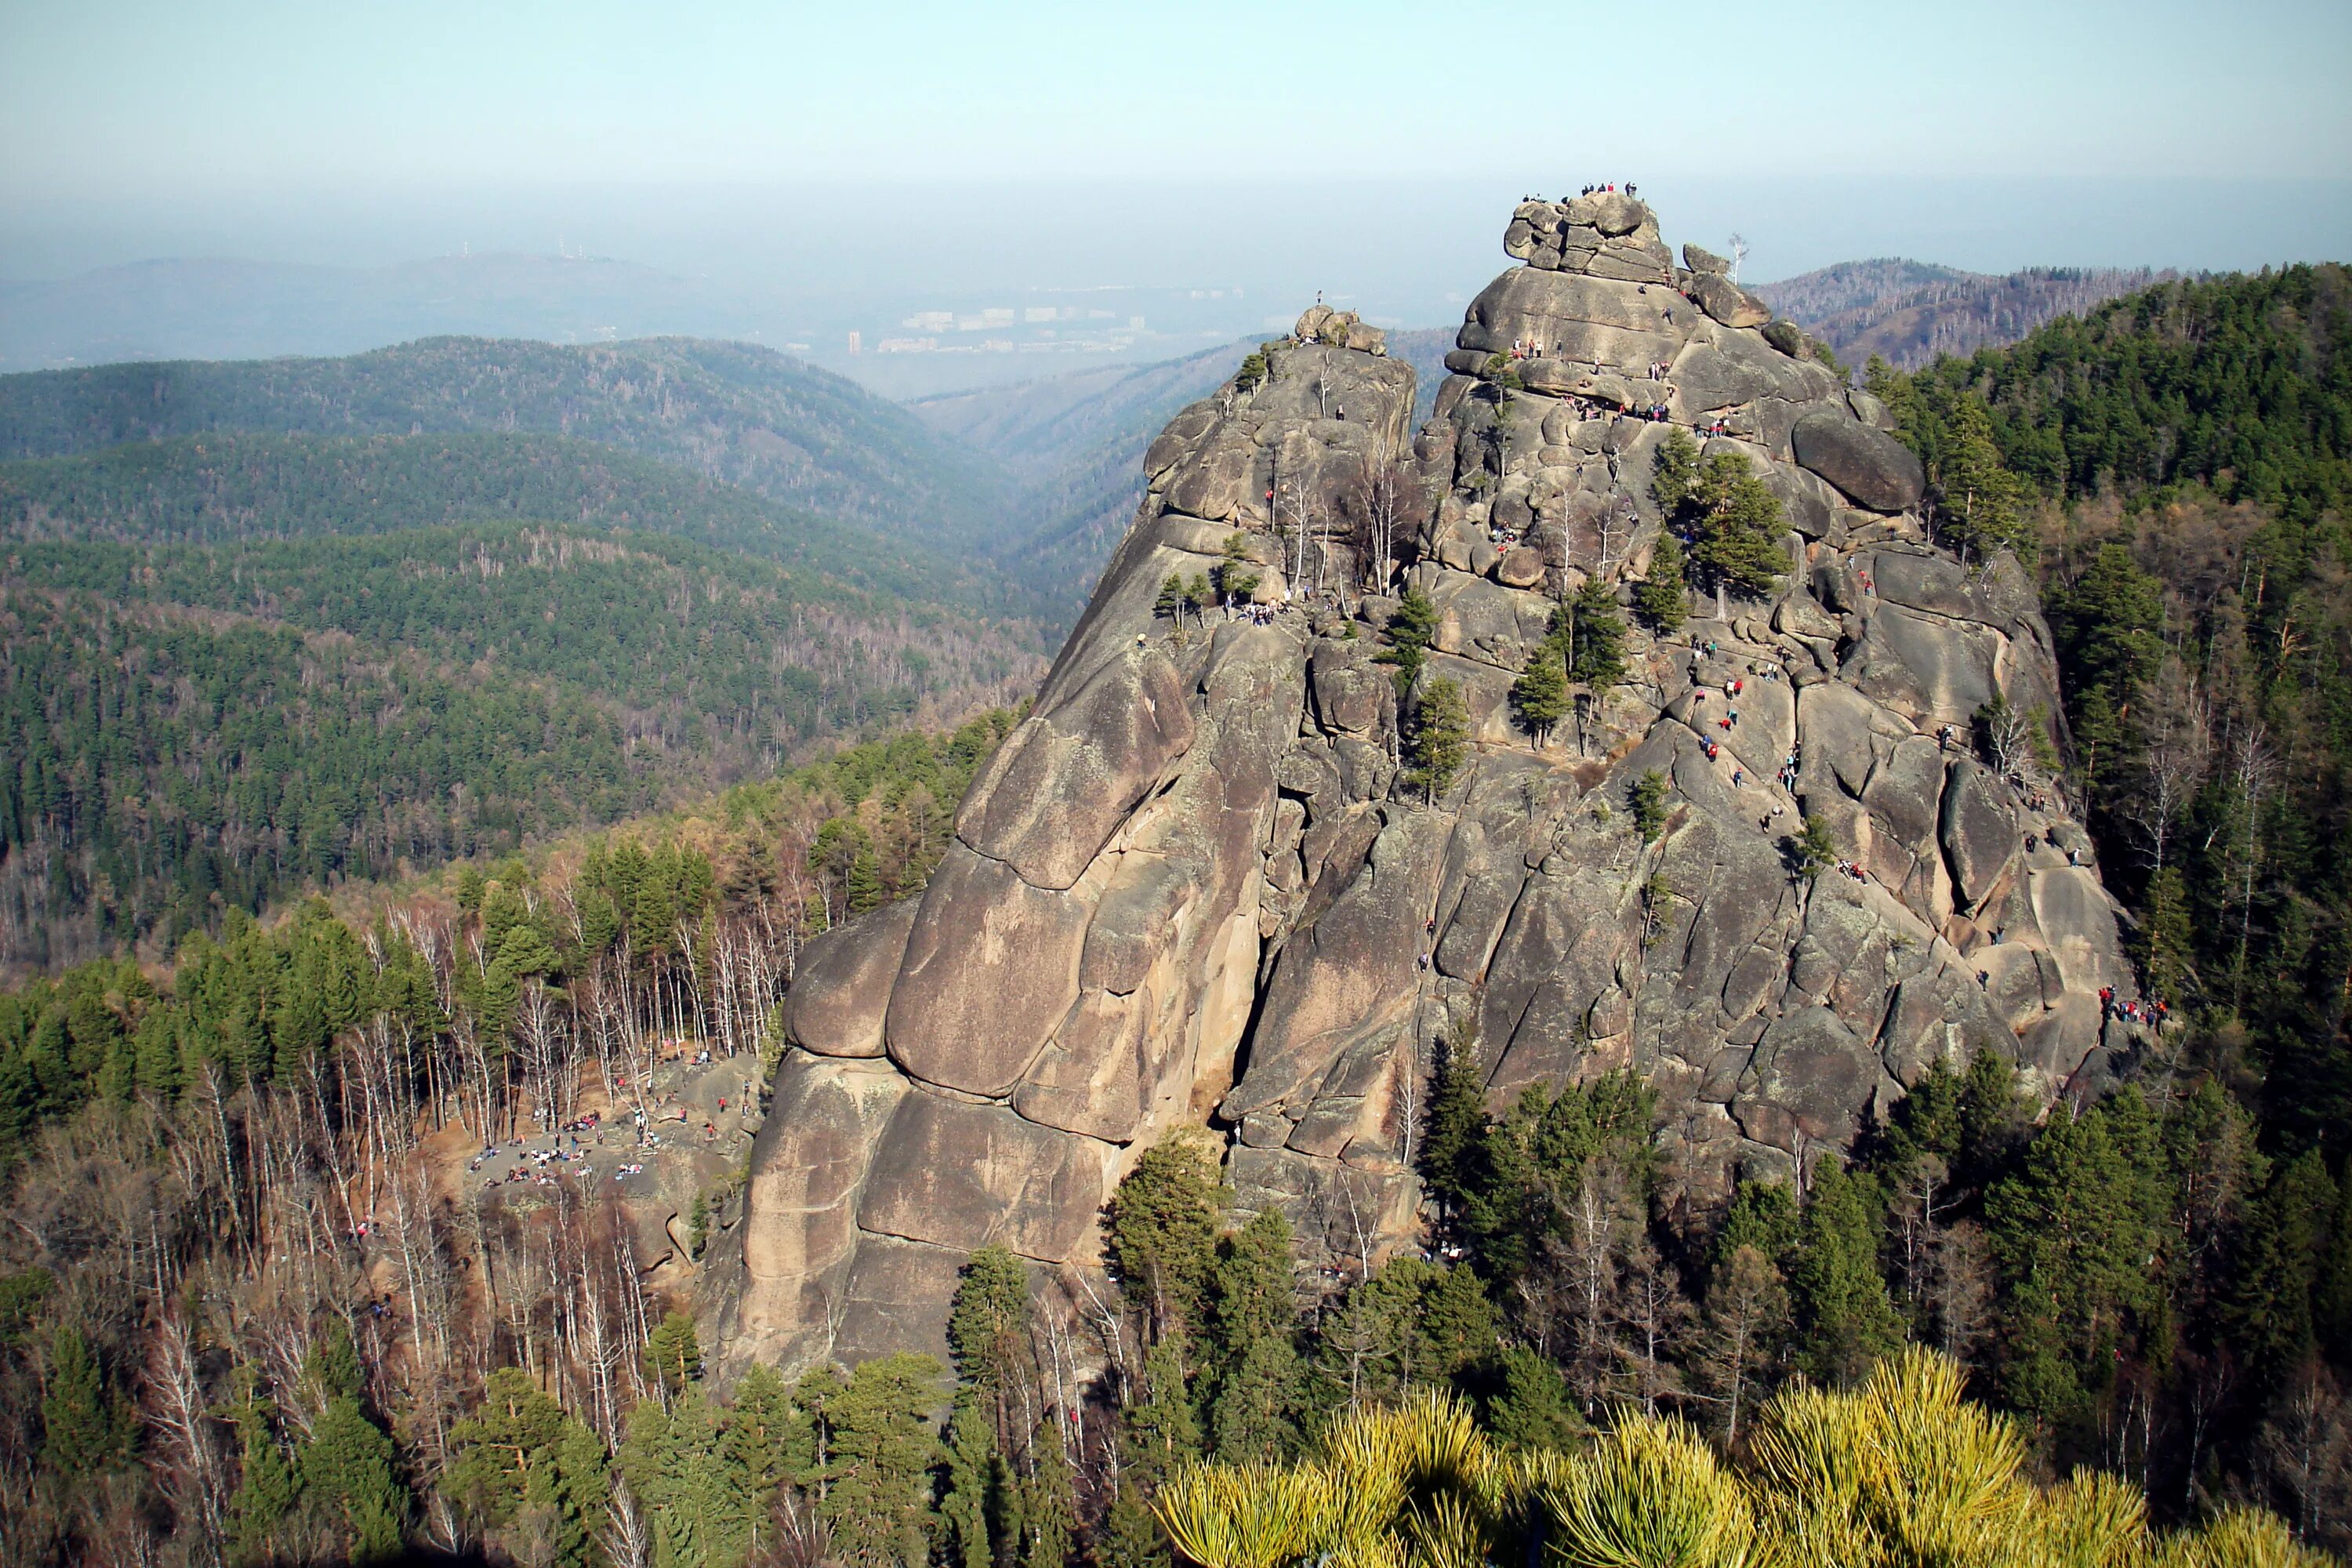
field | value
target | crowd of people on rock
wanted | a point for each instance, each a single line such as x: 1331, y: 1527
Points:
x: 2133, y: 1011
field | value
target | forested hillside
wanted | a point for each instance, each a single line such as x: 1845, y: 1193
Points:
x: 1910, y: 313
x: 297, y: 621
x: 731, y: 412
x: 238, y: 484
x: 285, y: 1103
x: 196, y: 727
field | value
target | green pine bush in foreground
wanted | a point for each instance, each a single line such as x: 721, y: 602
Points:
x: 1901, y: 1471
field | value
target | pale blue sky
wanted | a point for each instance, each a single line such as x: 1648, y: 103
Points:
x: 128, y: 99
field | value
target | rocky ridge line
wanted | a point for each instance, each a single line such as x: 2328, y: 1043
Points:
x: 1190, y: 891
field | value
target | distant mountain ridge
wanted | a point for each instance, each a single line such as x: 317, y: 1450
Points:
x: 732, y: 412
x: 1908, y: 312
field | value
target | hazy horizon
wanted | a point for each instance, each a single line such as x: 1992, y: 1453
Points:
x: 795, y: 175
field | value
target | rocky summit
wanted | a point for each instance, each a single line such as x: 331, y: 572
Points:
x: 1193, y: 889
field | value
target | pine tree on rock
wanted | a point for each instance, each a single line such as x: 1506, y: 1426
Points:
x: 1438, y: 740
x: 1163, y: 1232
x: 1662, y: 596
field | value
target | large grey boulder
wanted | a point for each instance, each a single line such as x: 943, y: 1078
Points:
x: 838, y: 996
x: 1725, y: 300
x: 1869, y: 465
x: 991, y: 965
x: 1979, y: 831
x: 1699, y: 259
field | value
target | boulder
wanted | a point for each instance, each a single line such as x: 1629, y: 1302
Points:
x: 1978, y: 832
x: 992, y: 966
x: 1522, y: 566
x: 842, y: 983
x: 1786, y: 337
x: 1868, y: 465
x: 963, y: 1177
x: 1725, y: 300
x: 1702, y: 260
x: 1869, y: 409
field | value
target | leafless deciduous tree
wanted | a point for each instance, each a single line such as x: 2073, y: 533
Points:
x: 2176, y: 748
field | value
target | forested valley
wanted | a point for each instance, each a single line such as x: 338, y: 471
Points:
x: 2104, y: 1332
x: 293, y: 623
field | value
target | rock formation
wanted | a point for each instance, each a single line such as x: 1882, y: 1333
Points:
x: 1189, y: 891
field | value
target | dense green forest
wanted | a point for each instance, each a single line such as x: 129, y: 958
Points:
x: 232, y: 484
x: 731, y: 412
x: 2182, y: 459
x: 190, y: 729
x: 313, y: 539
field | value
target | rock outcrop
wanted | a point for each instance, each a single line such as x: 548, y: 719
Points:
x: 1190, y: 890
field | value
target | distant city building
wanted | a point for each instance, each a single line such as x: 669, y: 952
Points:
x: 856, y: 343
x: 930, y: 321
x: 996, y: 316
x: 1135, y: 323
x: 1039, y: 313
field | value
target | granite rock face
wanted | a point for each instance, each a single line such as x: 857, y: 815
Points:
x: 1190, y: 891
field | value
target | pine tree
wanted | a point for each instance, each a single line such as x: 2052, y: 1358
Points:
x: 268, y: 1485
x: 1254, y: 1413
x: 988, y: 1321
x: 2268, y: 1306
x: 1253, y: 1287
x: 1160, y: 1427
x: 82, y: 1431
x: 1673, y: 472
x: 1410, y: 629
x: 1251, y: 1325
x: 580, y: 1488
x: 1049, y: 1502
x: 1662, y: 596
x: 673, y: 1355
x: 1846, y: 1321
x: 1131, y: 1535
x: 1979, y: 504
x: 1539, y: 695
x: 1531, y: 1407
x: 1163, y: 1231
x: 2075, y: 1229
x: 1813, y: 850
x: 1740, y: 526
x: 1457, y: 1120
x: 1647, y: 803
x: 349, y: 1470
x: 880, y: 1448
x: 1598, y: 638
x: 763, y: 1430
x: 971, y: 1463
x: 1457, y: 1326
x: 501, y: 1443
x: 1439, y: 742
x: 2164, y: 938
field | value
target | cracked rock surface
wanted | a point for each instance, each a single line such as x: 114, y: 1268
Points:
x: 1190, y: 890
